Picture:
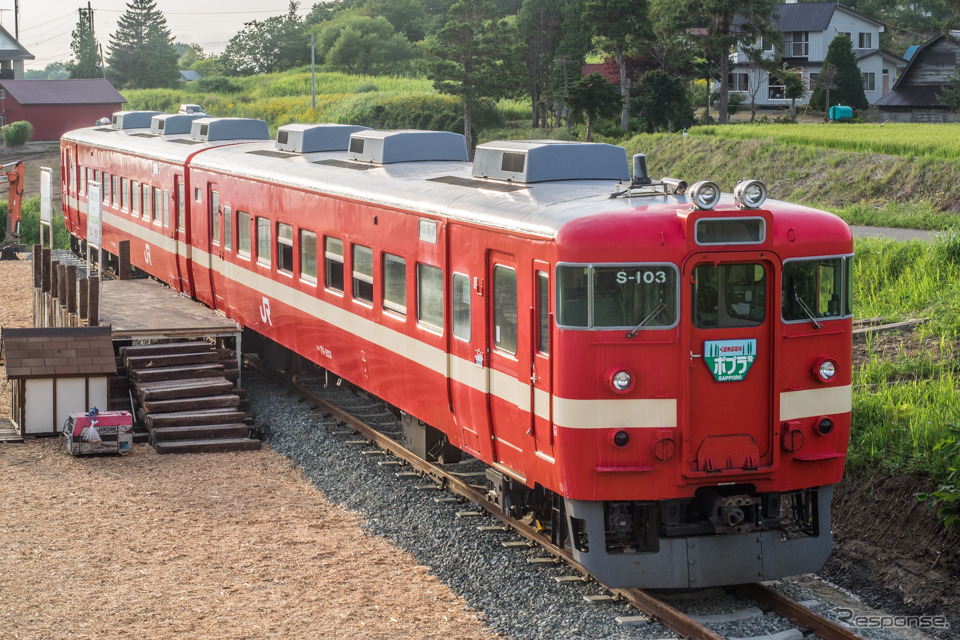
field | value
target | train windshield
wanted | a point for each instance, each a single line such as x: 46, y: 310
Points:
x: 817, y: 289
x: 617, y: 296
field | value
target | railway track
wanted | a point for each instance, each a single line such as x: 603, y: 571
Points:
x: 649, y: 606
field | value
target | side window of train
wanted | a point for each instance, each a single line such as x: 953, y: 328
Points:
x: 215, y: 217
x: 333, y: 264
x: 430, y: 296
x: 106, y: 188
x: 146, y: 201
x: 362, y: 273
x: 284, y: 247
x: 543, y: 312
x: 308, y: 256
x: 243, y: 234
x: 135, y: 197
x: 115, y: 192
x: 460, y: 293
x: 83, y: 181
x: 227, y: 229
x: 166, y: 208
x: 394, y: 283
x: 505, y: 309
x: 158, y: 205
x: 263, y: 241
x: 124, y: 194
x: 181, y: 204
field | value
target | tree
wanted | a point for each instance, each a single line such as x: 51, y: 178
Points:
x: 620, y: 26
x: 268, y: 46
x: 826, y: 82
x: 472, y: 57
x: 408, y: 17
x: 86, y: 56
x: 949, y: 94
x: 793, y: 88
x: 848, y: 80
x: 571, y: 52
x: 662, y: 102
x: 538, y: 24
x: 594, y: 97
x: 142, y: 54
x: 360, y: 44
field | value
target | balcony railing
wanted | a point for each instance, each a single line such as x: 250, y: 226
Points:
x: 796, y: 49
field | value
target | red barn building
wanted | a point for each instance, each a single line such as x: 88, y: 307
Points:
x: 54, y: 107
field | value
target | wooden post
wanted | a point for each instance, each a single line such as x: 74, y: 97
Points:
x: 93, y: 306
x: 60, y: 307
x: 71, y: 291
x: 123, y: 256
x: 45, y: 270
x: 54, y: 272
x: 37, y: 265
x: 84, y: 299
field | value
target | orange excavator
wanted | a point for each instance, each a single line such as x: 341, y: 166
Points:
x: 12, y: 174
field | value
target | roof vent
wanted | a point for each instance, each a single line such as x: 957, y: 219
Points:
x: 384, y: 147
x: 212, y: 129
x: 310, y: 138
x: 133, y: 119
x: 168, y: 124
x: 544, y: 160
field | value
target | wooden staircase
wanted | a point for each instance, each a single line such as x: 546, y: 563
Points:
x: 187, y: 397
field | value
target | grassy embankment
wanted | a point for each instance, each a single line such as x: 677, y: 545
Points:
x: 894, y: 175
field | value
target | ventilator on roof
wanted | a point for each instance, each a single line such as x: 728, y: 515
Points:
x: 311, y: 138
x: 213, y: 129
x: 545, y: 160
x: 133, y: 119
x: 168, y: 124
x: 385, y: 147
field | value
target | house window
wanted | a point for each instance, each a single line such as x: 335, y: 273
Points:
x: 284, y: 248
x: 796, y: 44
x: 308, y: 256
x: 869, y: 82
x: 263, y: 241
x: 774, y: 91
x: 766, y: 45
x: 739, y: 82
x: 866, y: 40
x: 812, y: 83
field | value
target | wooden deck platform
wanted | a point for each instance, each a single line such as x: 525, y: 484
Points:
x: 145, y: 309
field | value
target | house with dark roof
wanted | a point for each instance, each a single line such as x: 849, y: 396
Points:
x: 12, y: 55
x: 54, y: 107
x: 808, y: 29
x: 914, y: 96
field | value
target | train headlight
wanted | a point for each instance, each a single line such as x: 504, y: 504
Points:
x: 621, y: 380
x: 825, y: 369
x: 824, y: 426
x: 705, y: 194
x: 621, y: 438
x: 750, y: 194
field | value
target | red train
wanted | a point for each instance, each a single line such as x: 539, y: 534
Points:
x: 659, y: 375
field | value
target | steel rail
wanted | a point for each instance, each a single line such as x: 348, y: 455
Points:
x: 649, y: 605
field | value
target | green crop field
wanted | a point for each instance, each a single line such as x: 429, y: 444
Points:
x: 911, y: 140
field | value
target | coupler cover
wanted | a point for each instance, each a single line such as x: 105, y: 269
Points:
x: 99, y: 432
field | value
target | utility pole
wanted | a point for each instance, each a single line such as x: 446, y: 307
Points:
x: 86, y: 16
x: 16, y: 20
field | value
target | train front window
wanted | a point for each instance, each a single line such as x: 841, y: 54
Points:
x: 729, y: 295
x: 816, y: 289
x: 628, y: 296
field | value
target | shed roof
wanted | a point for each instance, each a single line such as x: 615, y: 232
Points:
x: 58, y: 353
x: 77, y: 91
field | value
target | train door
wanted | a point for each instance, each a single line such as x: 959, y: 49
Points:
x: 69, y: 182
x: 509, y: 363
x: 213, y: 236
x: 541, y: 375
x: 729, y: 395
x: 181, y: 248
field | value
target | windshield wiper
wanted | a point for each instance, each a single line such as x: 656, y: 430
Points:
x: 656, y: 311
x: 807, y: 312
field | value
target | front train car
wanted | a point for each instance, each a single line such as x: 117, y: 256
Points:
x: 702, y: 387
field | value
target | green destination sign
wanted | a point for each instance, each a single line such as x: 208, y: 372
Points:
x: 730, y: 360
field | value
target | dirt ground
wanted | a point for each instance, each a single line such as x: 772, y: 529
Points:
x: 195, y: 546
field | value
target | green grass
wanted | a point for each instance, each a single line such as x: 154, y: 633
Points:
x: 898, y: 139
x: 905, y: 393
x: 30, y: 224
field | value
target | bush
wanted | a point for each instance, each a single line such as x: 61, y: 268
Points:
x: 217, y: 84
x: 17, y: 134
x: 30, y: 224
x: 945, y: 501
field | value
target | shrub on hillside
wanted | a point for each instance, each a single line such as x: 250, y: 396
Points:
x: 17, y: 134
x: 217, y: 84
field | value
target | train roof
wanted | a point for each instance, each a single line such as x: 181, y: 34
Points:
x: 439, y: 188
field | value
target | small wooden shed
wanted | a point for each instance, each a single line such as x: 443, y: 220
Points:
x: 56, y: 372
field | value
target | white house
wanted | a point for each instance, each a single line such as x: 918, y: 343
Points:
x: 808, y: 29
